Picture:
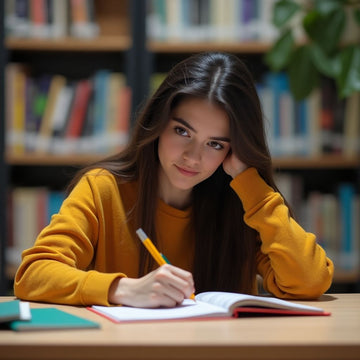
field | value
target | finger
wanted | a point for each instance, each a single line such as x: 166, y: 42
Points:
x: 182, y: 274
x: 162, y: 295
x: 179, y: 283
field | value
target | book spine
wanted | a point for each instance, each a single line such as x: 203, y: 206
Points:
x: 46, y: 128
x: 346, y: 198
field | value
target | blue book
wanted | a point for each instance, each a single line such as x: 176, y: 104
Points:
x: 346, y: 196
x: 278, y: 83
x: 51, y: 319
x: 55, y: 200
x: 14, y: 310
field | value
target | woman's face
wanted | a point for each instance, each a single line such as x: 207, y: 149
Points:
x: 194, y: 143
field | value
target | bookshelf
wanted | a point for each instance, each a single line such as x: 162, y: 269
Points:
x: 123, y: 44
x: 3, y: 165
x: 116, y: 47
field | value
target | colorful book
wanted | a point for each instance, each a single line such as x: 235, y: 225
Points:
x: 117, y: 83
x: 123, y: 116
x: 101, y: 94
x: 39, y: 26
x: 15, y: 75
x: 77, y: 115
x: 14, y: 310
x: 52, y: 319
x: 210, y: 304
x: 82, y: 15
x: 25, y: 229
x: 61, y: 116
x: 46, y: 127
x: 60, y: 23
x: 347, y: 256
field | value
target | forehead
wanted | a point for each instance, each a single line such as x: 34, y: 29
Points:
x: 202, y: 115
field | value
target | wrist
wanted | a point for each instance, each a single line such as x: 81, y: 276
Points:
x: 114, y: 295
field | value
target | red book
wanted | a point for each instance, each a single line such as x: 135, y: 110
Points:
x: 78, y: 112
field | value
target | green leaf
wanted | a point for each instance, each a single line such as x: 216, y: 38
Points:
x: 279, y: 55
x: 325, y: 30
x: 303, y: 75
x: 312, y: 23
x: 284, y: 11
x: 357, y: 16
x: 348, y: 80
x: 329, y: 66
x: 325, y: 7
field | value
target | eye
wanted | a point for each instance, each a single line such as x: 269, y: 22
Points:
x: 181, y: 131
x: 215, y: 145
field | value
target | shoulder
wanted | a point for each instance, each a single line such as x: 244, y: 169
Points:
x: 104, y: 183
x: 98, y: 175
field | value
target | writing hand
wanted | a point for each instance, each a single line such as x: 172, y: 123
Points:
x: 166, y: 286
x: 232, y: 165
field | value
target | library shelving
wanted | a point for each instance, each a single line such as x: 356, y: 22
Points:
x: 124, y: 44
x: 117, y: 47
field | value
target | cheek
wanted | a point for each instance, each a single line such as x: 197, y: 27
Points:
x: 168, y: 146
x: 213, y: 161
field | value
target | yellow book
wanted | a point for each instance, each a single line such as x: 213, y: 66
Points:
x: 45, y: 131
x: 116, y: 83
x: 15, y: 97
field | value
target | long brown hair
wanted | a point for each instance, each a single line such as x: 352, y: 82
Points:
x: 225, y: 247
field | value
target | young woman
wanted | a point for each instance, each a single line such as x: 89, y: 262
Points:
x: 197, y: 178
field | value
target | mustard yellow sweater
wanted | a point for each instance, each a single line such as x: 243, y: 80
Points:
x: 88, y: 244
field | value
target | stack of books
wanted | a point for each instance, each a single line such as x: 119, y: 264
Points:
x: 18, y: 316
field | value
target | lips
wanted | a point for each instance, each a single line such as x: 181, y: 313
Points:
x: 186, y: 172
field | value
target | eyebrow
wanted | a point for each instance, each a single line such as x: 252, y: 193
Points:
x: 185, y: 123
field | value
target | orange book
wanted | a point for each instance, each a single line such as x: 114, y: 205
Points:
x: 39, y: 18
x: 124, y: 112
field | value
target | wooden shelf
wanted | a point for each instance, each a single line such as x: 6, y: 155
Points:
x: 249, y: 47
x: 52, y: 160
x: 113, y: 19
x: 343, y: 277
x: 320, y: 162
x: 101, y: 43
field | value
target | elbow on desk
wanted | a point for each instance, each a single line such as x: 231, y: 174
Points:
x: 309, y: 288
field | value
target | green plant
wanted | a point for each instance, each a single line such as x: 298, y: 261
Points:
x: 323, y: 53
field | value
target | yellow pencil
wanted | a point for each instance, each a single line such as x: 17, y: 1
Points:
x: 160, y: 259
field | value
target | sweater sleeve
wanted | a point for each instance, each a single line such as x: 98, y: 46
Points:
x: 56, y: 268
x: 290, y: 261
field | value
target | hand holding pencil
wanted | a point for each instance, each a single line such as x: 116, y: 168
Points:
x: 166, y: 286
x: 158, y: 257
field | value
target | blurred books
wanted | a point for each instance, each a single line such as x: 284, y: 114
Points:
x: 54, y: 115
x: 50, y: 18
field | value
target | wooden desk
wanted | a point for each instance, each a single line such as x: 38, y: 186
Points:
x: 333, y: 337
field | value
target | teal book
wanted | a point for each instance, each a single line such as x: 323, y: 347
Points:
x: 52, y: 319
x: 14, y: 310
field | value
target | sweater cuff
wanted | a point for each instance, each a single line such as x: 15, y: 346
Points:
x: 96, y: 287
x: 250, y: 187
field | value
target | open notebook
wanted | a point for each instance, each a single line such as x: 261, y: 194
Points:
x: 211, y: 305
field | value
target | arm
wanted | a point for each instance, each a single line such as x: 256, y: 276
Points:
x: 77, y: 258
x: 291, y: 263
x: 56, y: 268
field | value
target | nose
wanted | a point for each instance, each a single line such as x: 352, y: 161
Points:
x: 192, y: 153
